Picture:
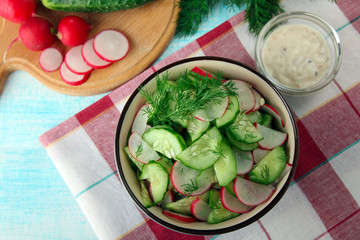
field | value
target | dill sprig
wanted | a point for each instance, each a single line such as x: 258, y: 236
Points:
x: 259, y: 12
x: 185, y: 98
x: 189, y: 188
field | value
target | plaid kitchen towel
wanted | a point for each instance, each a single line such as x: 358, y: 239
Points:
x: 322, y: 201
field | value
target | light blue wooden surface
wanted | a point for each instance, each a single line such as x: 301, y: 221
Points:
x: 35, y: 202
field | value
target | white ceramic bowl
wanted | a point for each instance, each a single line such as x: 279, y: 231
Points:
x: 326, y: 30
x: 231, y: 70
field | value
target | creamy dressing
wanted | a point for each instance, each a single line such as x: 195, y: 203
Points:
x: 296, y: 55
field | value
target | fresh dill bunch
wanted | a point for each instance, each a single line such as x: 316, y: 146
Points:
x: 259, y: 12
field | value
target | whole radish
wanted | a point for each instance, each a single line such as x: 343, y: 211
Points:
x: 17, y: 10
x: 37, y: 33
x: 73, y: 30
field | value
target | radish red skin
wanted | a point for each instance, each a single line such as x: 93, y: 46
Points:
x: 36, y: 33
x: 73, y: 31
x: 17, y: 10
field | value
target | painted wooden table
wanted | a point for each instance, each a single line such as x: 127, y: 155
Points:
x: 35, y: 203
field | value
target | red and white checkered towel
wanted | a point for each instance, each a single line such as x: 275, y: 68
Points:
x: 321, y: 203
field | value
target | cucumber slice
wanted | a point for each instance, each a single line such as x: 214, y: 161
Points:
x: 181, y: 206
x: 214, y: 199
x: 158, y: 178
x: 145, y: 196
x: 267, y: 120
x: 165, y: 140
x: 238, y: 144
x: 166, y: 162
x: 203, y: 153
x: 220, y: 214
x: 255, y: 116
x: 196, y: 128
x: 243, y: 130
x: 270, y: 167
x: 230, y: 114
x: 225, y: 167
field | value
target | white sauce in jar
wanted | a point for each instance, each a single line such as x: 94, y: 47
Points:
x: 296, y: 55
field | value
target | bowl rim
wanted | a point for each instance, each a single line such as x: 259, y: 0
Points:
x: 310, y: 17
x: 206, y: 231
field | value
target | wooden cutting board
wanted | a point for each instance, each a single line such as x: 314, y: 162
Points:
x: 149, y: 28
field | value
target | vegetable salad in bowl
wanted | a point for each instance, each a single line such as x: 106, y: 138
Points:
x: 206, y: 151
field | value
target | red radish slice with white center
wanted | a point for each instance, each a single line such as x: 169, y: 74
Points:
x: 272, y: 137
x: 283, y: 174
x: 71, y: 78
x: 245, y: 95
x: 244, y: 161
x: 140, y: 122
x: 259, y: 100
x: 258, y: 154
x: 251, y: 193
x: 200, y: 209
x: 231, y: 203
x: 140, y: 150
x: 179, y: 216
x: 184, y: 178
x: 50, y: 59
x: 111, y: 45
x: 75, y: 62
x: 91, y: 58
x: 272, y: 111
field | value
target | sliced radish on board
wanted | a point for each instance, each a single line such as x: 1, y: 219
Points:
x: 244, y: 161
x: 251, y: 193
x: 179, y: 216
x: 272, y: 111
x: 140, y: 150
x: 272, y: 137
x: 139, y: 125
x: 111, y: 45
x: 245, y: 95
x: 72, y: 78
x: 231, y: 203
x: 200, y: 209
x: 259, y: 100
x: 50, y: 59
x: 91, y: 58
x: 75, y: 62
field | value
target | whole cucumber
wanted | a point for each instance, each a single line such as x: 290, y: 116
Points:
x: 92, y: 5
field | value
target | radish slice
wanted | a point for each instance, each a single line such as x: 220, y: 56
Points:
x: 258, y: 154
x: 259, y: 100
x: 91, y: 58
x: 272, y: 137
x: 72, y: 78
x: 272, y: 111
x: 169, y: 198
x: 50, y: 59
x: 184, y: 180
x: 75, y: 62
x: 140, y: 122
x: 200, y: 209
x: 111, y: 45
x: 251, y: 193
x: 231, y: 203
x: 245, y: 95
x: 140, y: 150
x: 244, y: 161
x: 179, y: 216
x: 202, y: 72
